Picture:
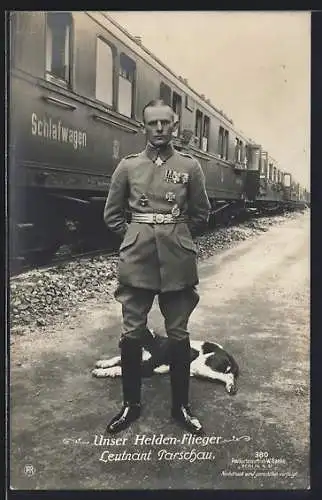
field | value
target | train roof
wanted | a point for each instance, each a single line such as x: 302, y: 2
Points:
x: 137, y: 47
x: 179, y: 81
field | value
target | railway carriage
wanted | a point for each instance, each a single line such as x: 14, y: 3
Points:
x: 78, y: 84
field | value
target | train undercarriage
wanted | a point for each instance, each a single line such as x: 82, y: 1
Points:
x: 41, y: 222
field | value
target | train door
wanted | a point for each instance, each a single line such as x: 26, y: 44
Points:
x: 253, y: 171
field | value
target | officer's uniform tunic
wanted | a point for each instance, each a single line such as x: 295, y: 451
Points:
x: 157, y: 258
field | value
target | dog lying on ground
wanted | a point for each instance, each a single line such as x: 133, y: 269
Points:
x: 208, y: 360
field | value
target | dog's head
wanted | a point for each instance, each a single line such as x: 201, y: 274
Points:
x: 218, y: 359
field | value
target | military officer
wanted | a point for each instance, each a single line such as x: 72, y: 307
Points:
x: 164, y: 191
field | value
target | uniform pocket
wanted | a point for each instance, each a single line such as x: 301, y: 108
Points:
x: 187, y: 243
x: 129, y: 240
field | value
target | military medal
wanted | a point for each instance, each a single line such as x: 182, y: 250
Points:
x: 175, y: 177
x: 175, y: 211
x: 170, y: 196
x: 159, y: 161
x: 184, y: 178
x: 143, y: 200
x: 168, y: 175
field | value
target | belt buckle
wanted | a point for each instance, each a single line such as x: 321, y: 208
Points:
x: 159, y: 218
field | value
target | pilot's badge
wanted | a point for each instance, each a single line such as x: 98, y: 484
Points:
x: 175, y: 211
x: 143, y: 200
x: 170, y: 196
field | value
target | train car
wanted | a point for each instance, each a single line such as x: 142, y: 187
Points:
x: 78, y: 84
x: 295, y: 196
x: 270, y: 195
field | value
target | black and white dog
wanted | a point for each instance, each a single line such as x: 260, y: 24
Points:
x: 208, y: 360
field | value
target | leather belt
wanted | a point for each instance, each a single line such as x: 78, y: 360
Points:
x: 157, y: 218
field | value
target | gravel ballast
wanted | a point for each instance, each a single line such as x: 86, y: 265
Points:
x: 41, y: 297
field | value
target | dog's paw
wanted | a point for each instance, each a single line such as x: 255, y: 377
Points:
x: 162, y: 369
x: 102, y: 363
x: 115, y: 371
x: 107, y: 363
x: 99, y: 373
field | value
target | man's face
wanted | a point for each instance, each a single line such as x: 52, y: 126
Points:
x: 159, y: 124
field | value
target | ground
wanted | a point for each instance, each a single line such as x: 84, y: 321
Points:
x: 255, y: 302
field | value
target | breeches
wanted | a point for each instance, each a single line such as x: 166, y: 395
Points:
x: 176, y: 308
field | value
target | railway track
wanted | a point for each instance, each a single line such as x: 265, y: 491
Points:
x: 20, y: 266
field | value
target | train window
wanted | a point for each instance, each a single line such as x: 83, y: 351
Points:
x: 221, y: 141
x: 104, y: 72
x: 205, y: 133
x: 238, y: 150
x: 176, y: 106
x: 274, y: 174
x: 243, y: 159
x: 265, y: 166
x: 241, y: 151
x: 58, y: 46
x: 198, y: 128
x: 226, y: 144
x: 165, y: 93
x: 189, y: 103
x: 270, y: 171
x: 263, y: 170
x: 126, y: 85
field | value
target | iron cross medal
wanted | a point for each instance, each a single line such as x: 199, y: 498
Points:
x: 170, y: 196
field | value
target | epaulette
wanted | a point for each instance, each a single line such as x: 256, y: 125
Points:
x: 185, y: 154
x: 133, y: 155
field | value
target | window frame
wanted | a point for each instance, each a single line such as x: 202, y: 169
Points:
x: 221, y: 141
x: 238, y: 150
x: 226, y: 144
x: 199, y: 114
x: 133, y: 84
x: 114, y: 67
x: 162, y: 84
x: 49, y: 75
x: 205, y: 119
x: 179, y: 115
x: 274, y: 173
x: 189, y: 103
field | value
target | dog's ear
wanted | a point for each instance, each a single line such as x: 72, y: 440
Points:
x: 234, y: 365
x: 209, y: 347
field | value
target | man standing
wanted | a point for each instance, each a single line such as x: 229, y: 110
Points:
x: 164, y: 191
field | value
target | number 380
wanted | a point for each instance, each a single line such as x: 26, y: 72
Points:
x: 261, y: 454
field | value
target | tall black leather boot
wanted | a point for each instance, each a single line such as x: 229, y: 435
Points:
x: 131, y: 355
x: 180, y: 378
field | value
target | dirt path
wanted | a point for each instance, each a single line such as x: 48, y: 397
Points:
x: 254, y: 301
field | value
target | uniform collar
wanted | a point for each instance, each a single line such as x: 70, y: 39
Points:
x: 164, y: 153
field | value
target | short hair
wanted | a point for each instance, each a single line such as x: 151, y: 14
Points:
x: 154, y: 103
